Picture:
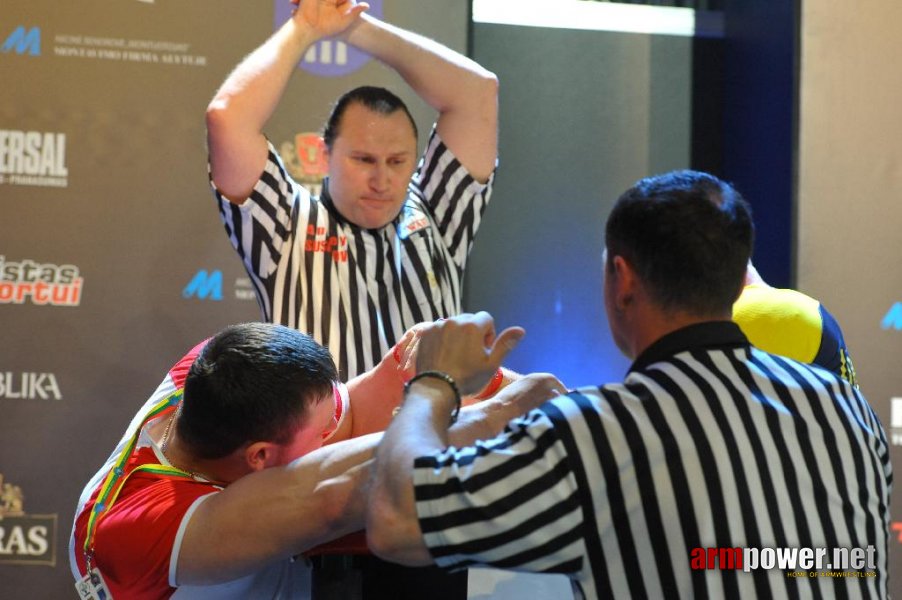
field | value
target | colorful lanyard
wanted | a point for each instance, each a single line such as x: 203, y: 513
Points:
x: 116, y: 478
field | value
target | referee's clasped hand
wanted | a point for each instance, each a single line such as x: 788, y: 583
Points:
x: 328, y: 17
x: 465, y: 347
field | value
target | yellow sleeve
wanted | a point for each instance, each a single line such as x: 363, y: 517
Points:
x: 780, y: 321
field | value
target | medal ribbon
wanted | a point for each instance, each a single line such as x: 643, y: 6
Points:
x: 116, y: 478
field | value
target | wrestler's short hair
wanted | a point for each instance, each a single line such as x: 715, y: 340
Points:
x: 252, y: 382
x: 689, y: 237
x: 376, y: 99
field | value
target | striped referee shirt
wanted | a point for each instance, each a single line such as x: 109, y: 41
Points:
x: 356, y: 290
x: 708, y: 444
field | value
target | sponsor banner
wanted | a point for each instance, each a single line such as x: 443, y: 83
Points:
x: 24, y: 539
x: 26, y: 41
x: 204, y: 286
x: 208, y: 285
x: 29, y: 386
x: 36, y: 158
x: 244, y: 289
x: 895, y: 418
x: 23, y: 40
x: 28, y: 540
x: 895, y: 421
x: 893, y: 318
x: 43, y: 284
x: 116, y: 49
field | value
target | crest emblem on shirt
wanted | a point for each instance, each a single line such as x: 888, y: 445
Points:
x: 305, y: 159
x: 412, y: 220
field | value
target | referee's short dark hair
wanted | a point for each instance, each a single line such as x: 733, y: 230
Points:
x: 376, y: 99
x: 689, y: 237
x: 252, y: 382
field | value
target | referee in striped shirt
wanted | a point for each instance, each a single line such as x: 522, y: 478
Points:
x: 688, y: 479
x: 385, y: 245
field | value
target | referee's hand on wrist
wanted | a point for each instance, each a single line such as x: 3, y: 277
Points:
x: 466, y: 348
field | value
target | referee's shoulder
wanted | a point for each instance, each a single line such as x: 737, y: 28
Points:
x: 600, y: 394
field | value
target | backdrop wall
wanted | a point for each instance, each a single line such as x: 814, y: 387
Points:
x: 584, y: 114
x: 849, y: 184
x: 113, y: 261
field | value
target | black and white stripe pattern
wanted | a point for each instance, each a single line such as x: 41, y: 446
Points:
x: 718, y: 445
x: 360, y: 301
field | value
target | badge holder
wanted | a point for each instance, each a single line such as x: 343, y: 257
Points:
x: 93, y: 587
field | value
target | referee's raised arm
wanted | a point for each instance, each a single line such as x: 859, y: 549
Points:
x: 250, y: 94
x: 464, y: 93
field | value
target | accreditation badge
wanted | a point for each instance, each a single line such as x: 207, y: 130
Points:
x: 93, y: 587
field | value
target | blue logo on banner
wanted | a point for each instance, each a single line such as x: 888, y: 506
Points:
x: 893, y: 319
x: 205, y: 286
x: 329, y: 57
x: 21, y: 41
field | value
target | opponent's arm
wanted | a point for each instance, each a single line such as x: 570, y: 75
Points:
x: 375, y: 394
x: 487, y: 418
x: 277, y: 513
